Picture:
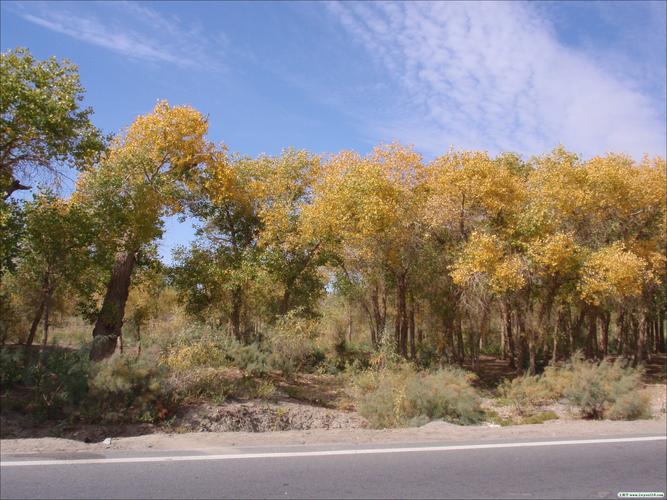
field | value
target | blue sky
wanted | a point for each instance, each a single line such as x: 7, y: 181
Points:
x: 329, y: 76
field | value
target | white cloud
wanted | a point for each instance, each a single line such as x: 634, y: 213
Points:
x: 132, y: 30
x: 494, y: 76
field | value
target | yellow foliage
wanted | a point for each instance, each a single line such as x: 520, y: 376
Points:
x: 466, y: 184
x: 484, y: 257
x: 612, y: 273
x: 555, y: 254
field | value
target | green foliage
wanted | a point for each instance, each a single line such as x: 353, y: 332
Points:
x: 400, y: 397
x: 350, y: 356
x: 291, y: 342
x: 539, y: 418
x: 606, y: 390
x: 526, y: 392
x: 129, y: 389
x: 54, y: 384
x: 600, y: 390
x: 41, y: 122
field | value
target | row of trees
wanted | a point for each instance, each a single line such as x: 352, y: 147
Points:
x: 536, y: 258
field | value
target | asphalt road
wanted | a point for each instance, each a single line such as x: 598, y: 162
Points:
x: 537, y: 469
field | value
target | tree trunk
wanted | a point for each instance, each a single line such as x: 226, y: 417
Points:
x: 592, y: 333
x: 411, y: 330
x: 509, y: 335
x: 661, y: 331
x: 459, y: 340
x: 237, y: 302
x: 606, y: 320
x: 35, y: 322
x: 641, y: 340
x: 349, y: 322
x: 138, y: 339
x: 554, y: 352
x: 401, y: 326
x: 284, y: 303
x: 110, y: 320
x: 532, y: 368
x: 47, y: 308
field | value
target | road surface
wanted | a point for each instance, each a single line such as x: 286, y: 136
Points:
x: 595, y: 468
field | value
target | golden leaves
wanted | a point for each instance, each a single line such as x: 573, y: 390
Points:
x: 484, y: 258
x: 614, y: 274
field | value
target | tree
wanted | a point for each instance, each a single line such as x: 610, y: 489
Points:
x: 469, y: 192
x: 253, y: 255
x: 367, y: 208
x: 145, y: 176
x: 42, y: 125
x: 54, y: 253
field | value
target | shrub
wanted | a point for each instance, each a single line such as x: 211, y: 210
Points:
x: 539, y: 418
x: 606, y: 389
x: 526, y: 392
x: 399, y: 397
x: 445, y: 394
x: 201, y: 353
x: 348, y: 355
x: 249, y: 358
x: 599, y: 390
x: 630, y: 406
x: 291, y: 342
x: 53, y: 384
x: 127, y: 389
x: 11, y: 368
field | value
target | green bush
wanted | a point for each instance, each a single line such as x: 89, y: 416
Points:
x: 124, y: 388
x: 526, y: 392
x: 347, y: 355
x: 606, y: 390
x: 11, y: 368
x: 53, y: 382
x: 445, y: 394
x: 600, y: 390
x: 292, y: 345
x: 401, y: 396
x: 540, y: 418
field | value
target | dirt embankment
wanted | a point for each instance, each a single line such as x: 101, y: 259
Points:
x: 432, y: 432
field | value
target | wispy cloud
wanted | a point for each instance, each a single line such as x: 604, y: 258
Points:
x: 495, y: 76
x: 133, y: 30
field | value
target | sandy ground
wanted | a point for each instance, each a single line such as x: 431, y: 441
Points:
x: 432, y: 432
x: 226, y: 426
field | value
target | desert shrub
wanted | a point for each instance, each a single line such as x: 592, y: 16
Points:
x: 606, y: 389
x: 206, y: 383
x: 11, y: 368
x: 385, y: 356
x: 402, y: 396
x: 445, y: 394
x: 632, y: 405
x: 217, y: 385
x: 292, y: 344
x: 426, y: 355
x: 540, y: 417
x: 203, y: 347
x: 600, y: 390
x: 348, y: 355
x: 526, y: 392
x: 53, y: 382
x: 125, y: 388
x: 182, y: 357
x: 249, y: 358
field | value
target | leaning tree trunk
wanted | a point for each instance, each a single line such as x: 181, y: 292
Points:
x: 35, y: 323
x: 110, y: 320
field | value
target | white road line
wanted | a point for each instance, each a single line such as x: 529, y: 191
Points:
x: 328, y: 453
